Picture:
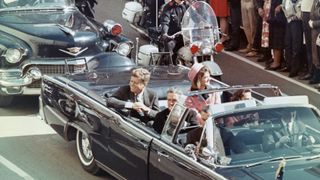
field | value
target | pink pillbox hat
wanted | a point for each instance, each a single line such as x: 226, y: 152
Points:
x: 194, y: 71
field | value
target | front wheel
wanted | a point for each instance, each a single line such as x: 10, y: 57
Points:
x: 85, y: 153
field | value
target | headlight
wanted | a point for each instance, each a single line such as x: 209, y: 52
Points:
x: 123, y: 49
x: 13, y: 55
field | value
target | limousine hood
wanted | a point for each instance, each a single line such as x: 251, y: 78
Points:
x: 293, y: 170
x: 50, y: 34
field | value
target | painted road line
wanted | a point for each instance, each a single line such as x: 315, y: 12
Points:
x: 272, y: 72
x: 11, y: 126
x: 15, y: 168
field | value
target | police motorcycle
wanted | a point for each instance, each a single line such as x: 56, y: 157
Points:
x: 143, y: 15
x: 201, y: 36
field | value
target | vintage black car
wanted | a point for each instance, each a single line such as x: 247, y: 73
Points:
x: 112, y: 140
x: 36, y: 36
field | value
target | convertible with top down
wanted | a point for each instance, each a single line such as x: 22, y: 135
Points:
x: 111, y: 140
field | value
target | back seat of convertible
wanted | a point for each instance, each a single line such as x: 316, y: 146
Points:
x: 161, y: 90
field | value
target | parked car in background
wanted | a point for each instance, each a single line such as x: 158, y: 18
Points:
x: 127, y: 148
x: 37, y: 36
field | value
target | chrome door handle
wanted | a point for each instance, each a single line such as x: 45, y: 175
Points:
x: 144, y: 144
x: 163, y: 154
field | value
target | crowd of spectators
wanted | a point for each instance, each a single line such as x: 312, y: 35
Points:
x: 282, y: 33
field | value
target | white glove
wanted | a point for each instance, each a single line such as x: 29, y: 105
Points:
x: 311, y: 23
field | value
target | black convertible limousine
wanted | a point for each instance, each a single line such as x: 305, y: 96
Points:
x: 111, y: 140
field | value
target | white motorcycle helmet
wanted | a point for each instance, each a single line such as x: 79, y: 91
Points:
x: 185, y: 56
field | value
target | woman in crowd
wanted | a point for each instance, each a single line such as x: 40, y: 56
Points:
x: 277, y: 28
x: 306, y: 6
x: 266, y: 52
x: 249, y: 23
x: 199, y: 75
x: 314, y: 24
x: 221, y: 9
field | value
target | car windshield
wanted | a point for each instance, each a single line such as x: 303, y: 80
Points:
x: 6, y: 5
x: 257, y: 135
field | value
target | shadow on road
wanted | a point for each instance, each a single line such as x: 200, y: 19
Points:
x: 22, y: 105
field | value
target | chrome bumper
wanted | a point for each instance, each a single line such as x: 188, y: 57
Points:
x: 11, y: 81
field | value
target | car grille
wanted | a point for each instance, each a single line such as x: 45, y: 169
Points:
x: 55, y: 69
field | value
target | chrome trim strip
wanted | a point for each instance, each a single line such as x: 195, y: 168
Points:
x: 10, y: 71
x: 31, y: 91
x: 71, y: 61
x: 113, y: 173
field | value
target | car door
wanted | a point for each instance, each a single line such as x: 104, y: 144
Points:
x: 166, y: 162
x: 168, y: 159
x: 122, y: 147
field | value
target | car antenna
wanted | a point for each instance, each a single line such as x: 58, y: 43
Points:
x: 86, y: 63
x: 137, y: 51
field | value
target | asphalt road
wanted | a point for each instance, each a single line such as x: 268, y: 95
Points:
x: 29, y: 149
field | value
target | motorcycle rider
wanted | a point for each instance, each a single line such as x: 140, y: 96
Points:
x: 151, y: 4
x: 86, y: 7
x: 170, y: 22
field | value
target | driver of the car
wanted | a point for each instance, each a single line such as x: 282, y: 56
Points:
x: 291, y: 134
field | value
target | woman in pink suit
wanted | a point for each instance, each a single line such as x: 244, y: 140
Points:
x: 199, y: 75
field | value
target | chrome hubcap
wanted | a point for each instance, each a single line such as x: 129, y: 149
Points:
x: 86, y: 148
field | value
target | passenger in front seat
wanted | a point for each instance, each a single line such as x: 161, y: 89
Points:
x: 173, y: 96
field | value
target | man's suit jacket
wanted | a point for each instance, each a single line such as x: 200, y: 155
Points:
x: 162, y: 117
x: 123, y: 95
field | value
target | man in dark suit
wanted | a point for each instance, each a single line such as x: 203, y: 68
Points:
x: 173, y: 96
x: 235, y: 12
x: 291, y: 134
x: 142, y: 101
